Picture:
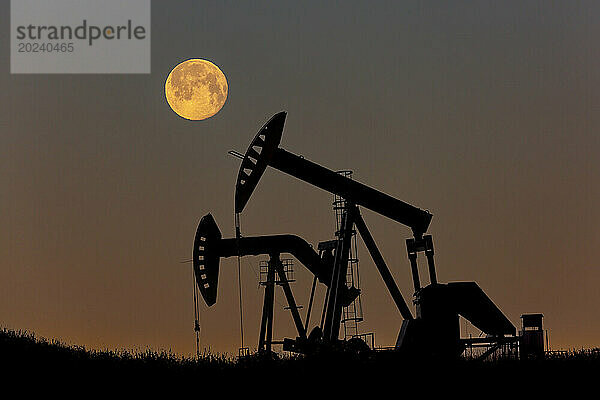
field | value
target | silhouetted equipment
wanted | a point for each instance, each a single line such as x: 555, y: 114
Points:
x: 438, y: 306
x: 264, y: 151
x: 352, y: 315
x: 210, y: 247
x: 434, y: 331
x: 532, y: 336
x: 437, y: 325
x: 196, y: 315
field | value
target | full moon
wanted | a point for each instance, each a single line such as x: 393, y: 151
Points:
x: 196, y: 89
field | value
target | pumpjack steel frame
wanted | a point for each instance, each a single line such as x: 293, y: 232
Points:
x: 210, y: 247
x: 264, y: 151
x: 437, y: 305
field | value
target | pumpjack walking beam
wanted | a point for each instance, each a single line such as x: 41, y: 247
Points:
x: 264, y: 151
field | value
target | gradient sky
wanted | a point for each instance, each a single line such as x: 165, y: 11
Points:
x: 485, y: 113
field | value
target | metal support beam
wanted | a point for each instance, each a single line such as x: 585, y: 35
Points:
x: 271, y: 290
x: 310, y: 303
x: 263, y: 323
x: 429, y: 254
x: 412, y: 257
x: 266, y: 327
x: 489, y: 352
x: 290, y: 299
x: 387, y: 277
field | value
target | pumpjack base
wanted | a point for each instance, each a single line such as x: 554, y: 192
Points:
x: 436, y: 331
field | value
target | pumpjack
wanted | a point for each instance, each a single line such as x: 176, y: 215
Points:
x: 210, y: 247
x: 435, y: 327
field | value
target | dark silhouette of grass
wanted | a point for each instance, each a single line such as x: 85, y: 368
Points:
x: 26, y: 354
x: 24, y: 349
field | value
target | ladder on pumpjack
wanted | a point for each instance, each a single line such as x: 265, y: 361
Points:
x: 352, y: 315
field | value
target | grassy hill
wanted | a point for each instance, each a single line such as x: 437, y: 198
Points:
x: 26, y: 354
